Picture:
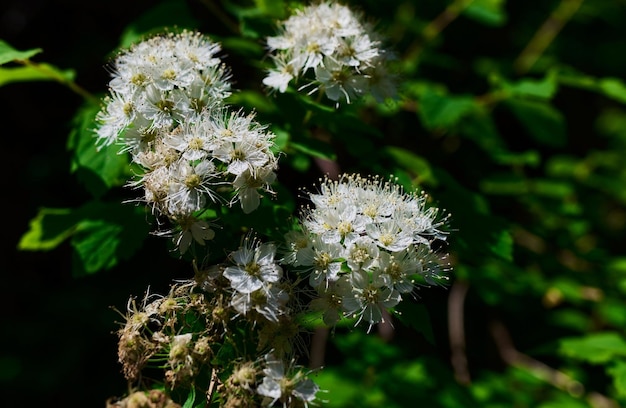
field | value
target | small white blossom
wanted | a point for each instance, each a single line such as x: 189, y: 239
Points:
x: 369, y: 298
x: 286, y: 385
x: 254, y: 266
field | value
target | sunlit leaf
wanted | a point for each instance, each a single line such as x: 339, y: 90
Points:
x: 415, y: 164
x: 99, y: 170
x: 618, y: 372
x: 613, y: 88
x: 595, y: 348
x: 39, y: 72
x: 544, y: 88
x: 8, y: 53
x: 48, y: 229
x: 191, y: 398
x: 489, y: 12
x: 439, y: 110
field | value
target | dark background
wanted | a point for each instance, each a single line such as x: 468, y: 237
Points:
x: 58, y: 348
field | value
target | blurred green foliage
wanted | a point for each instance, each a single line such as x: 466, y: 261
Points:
x: 511, y: 114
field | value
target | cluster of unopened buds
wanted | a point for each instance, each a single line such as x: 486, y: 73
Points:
x: 361, y: 247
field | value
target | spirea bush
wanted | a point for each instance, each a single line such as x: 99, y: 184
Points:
x: 234, y: 333
x: 336, y: 203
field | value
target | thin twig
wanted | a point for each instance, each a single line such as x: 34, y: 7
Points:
x: 54, y: 75
x: 437, y: 25
x: 511, y: 356
x: 456, y: 331
x: 223, y: 17
x: 212, y: 386
x: 318, y: 347
x: 545, y: 35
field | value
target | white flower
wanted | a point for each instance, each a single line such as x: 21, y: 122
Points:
x: 192, y: 229
x: 324, y: 261
x: 362, y: 253
x: 335, y: 224
x: 330, y: 300
x: 286, y: 385
x: 190, y: 186
x: 299, y: 244
x: 254, y: 266
x: 389, y: 235
x: 279, y: 77
x: 339, y: 82
x: 192, y: 140
x: 117, y: 114
x: 369, y: 298
x: 248, y: 184
x: 268, y: 301
x: 396, y: 269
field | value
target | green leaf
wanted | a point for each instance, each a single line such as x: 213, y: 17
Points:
x: 96, y: 243
x: 102, y: 234
x: 38, y: 72
x: 544, y: 88
x: 489, y: 12
x: 504, y: 184
x: 242, y: 46
x: 416, y: 165
x: 595, y: 348
x: 100, y: 170
x: 530, y: 158
x: 501, y: 244
x: 273, y: 8
x: 542, y: 121
x: 613, y: 88
x: 442, y: 111
x: 161, y: 17
x: 480, y: 128
x: 476, y: 230
x: 618, y: 372
x: 314, y: 148
x: 48, y: 229
x: 8, y: 53
x: 252, y: 100
x: 191, y: 398
x: 107, y: 233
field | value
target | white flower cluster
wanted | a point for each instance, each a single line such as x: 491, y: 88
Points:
x: 335, y: 44
x: 166, y: 107
x: 365, y: 244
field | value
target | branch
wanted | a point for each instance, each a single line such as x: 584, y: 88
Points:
x: 436, y: 26
x: 545, y: 35
x: 511, y: 356
x: 456, y: 331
